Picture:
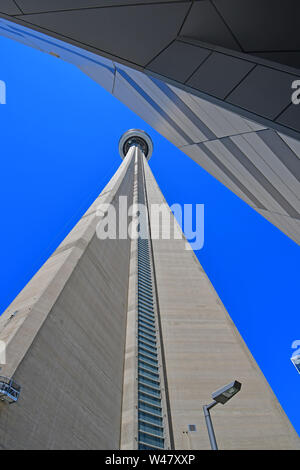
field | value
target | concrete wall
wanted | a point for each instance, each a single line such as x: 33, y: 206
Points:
x: 65, y: 344
x: 203, y: 352
x: 128, y: 439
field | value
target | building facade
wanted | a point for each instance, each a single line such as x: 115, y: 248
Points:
x: 117, y: 343
x: 206, y: 81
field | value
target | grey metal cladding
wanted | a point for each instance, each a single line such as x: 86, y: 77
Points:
x: 260, y: 177
x: 189, y: 114
x: 205, y: 23
x: 220, y: 74
x: 125, y: 32
x: 231, y: 176
x: 262, y: 25
x: 179, y: 61
x: 155, y: 105
x: 282, y: 150
x: 290, y: 117
x: 264, y: 91
x: 42, y: 6
x: 292, y: 143
x: 9, y: 7
x: 289, y: 58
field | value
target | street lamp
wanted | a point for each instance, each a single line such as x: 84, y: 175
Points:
x: 220, y: 396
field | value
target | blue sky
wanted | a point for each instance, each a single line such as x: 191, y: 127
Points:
x: 55, y: 119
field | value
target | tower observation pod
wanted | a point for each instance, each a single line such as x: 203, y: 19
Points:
x: 138, y: 138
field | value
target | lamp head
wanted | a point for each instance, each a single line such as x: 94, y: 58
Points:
x: 225, y: 393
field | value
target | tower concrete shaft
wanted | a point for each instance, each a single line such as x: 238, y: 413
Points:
x: 200, y: 350
x: 117, y: 343
x: 145, y: 413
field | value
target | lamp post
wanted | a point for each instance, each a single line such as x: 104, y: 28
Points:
x: 222, y: 395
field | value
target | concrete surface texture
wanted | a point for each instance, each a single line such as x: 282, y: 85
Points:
x: 65, y: 344
x: 204, y: 351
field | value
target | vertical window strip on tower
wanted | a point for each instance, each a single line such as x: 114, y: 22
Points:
x: 150, y: 414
